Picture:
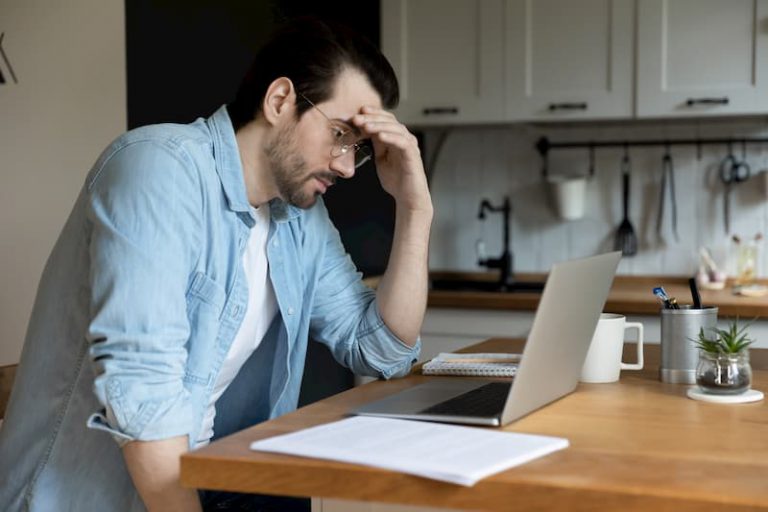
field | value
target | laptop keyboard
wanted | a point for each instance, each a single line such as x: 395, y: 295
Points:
x: 485, y: 401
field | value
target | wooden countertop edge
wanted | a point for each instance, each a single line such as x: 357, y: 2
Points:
x: 646, y: 279
x: 529, y: 302
x: 308, y: 477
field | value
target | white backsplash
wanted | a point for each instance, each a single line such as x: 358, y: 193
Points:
x: 491, y: 162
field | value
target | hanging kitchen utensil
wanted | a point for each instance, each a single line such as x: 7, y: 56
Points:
x: 667, y: 175
x: 732, y: 171
x: 626, y: 239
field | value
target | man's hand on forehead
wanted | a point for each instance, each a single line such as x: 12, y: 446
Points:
x: 372, y: 120
x: 398, y: 159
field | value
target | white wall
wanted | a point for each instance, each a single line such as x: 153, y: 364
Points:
x: 496, y: 161
x: 69, y: 102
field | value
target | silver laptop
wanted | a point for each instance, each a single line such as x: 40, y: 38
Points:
x: 554, y: 353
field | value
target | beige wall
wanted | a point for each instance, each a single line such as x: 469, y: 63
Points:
x: 69, y: 102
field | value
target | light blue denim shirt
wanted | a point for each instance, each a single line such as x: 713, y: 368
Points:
x: 139, y: 303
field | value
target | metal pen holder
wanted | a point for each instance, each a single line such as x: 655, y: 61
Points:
x: 679, y: 331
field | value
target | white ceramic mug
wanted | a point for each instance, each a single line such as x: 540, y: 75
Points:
x: 603, y: 362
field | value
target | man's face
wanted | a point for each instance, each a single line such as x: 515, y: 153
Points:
x: 299, y: 154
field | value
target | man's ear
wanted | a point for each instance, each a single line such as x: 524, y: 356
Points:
x: 279, y: 100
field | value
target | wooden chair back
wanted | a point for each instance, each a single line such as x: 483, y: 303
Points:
x: 7, y: 374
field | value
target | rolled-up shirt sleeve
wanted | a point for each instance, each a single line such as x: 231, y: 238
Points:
x: 346, y: 318
x: 141, y: 202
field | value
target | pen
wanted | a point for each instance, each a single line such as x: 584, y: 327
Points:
x: 695, y: 293
x: 669, y: 302
x: 663, y: 297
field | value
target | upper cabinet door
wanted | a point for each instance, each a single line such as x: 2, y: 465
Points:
x: 447, y: 55
x: 569, y: 59
x: 702, y: 57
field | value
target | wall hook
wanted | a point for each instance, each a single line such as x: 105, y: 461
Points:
x: 542, y: 146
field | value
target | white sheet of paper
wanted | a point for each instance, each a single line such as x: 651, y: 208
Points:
x: 460, y: 455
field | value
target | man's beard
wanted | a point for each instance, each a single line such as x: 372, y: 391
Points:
x: 289, y: 169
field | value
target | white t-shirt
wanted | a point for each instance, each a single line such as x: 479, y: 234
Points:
x: 262, y: 307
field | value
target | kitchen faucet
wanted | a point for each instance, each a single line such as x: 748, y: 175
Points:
x: 503, y: 262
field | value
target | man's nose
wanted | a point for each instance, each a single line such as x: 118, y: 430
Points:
x: 344, y: 165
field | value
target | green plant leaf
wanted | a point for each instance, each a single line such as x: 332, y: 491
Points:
x: 732, y: 340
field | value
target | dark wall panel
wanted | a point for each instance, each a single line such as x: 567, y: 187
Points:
x: 186, y: 57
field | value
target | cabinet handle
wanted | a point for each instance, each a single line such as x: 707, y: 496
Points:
x: 707, y: 101
x: 567, y: 106
x: 440, y: 110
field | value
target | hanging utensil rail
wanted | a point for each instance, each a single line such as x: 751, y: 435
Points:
x: 544, y: 146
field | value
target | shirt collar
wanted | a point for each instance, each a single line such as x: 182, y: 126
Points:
x: 230, y: 169
x: 282, y: 211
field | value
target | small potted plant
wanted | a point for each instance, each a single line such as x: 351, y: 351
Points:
x: 723, y: 367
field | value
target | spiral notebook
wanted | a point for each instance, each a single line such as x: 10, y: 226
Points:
x: 473, y: 365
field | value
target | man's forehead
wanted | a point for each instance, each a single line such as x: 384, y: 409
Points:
x: 351, y: 92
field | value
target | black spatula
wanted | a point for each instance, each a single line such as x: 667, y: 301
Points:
x: 626, y: 239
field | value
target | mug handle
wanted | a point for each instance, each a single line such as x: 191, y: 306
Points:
x: 639, y: 364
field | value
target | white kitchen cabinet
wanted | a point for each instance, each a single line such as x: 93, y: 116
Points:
x: 448, y: 329
x: 569, y: 60
x: 484, y: 61
x: 702, y: 57
x: 447, y: 55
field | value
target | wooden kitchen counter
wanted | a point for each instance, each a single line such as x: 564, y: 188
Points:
x: 630, y: 295
x: 636, y: 445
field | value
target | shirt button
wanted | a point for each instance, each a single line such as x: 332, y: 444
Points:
x: 291, y: 311
x: 275, y: 243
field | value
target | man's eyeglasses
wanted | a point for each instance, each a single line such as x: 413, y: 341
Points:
x: 345, y: 139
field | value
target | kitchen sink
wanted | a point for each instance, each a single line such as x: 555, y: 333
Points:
x: 448, y: 284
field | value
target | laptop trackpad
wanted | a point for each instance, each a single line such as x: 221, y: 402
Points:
x: 418, y: 398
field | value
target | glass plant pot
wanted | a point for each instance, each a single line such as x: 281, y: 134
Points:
x: 724, y: 374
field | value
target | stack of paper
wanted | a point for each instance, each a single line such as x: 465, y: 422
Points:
x: 460, y: 455
x: 474, y: 365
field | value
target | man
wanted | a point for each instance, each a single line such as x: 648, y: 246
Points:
x: 177, y: 302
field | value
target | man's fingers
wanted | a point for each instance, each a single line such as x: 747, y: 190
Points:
x: 384, y: 130
x: 403, y: 141
x: 373, y: 127
x: 372, y: 114
x: 374, y: 110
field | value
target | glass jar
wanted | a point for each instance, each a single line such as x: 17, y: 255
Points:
x: 746, y: 264
x: 724, y: 374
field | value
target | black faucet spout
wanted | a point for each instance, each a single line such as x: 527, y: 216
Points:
x: 504, y: 261
x: 485, y: 205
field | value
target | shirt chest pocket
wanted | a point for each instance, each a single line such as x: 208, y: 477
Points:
x: 205, y: 303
